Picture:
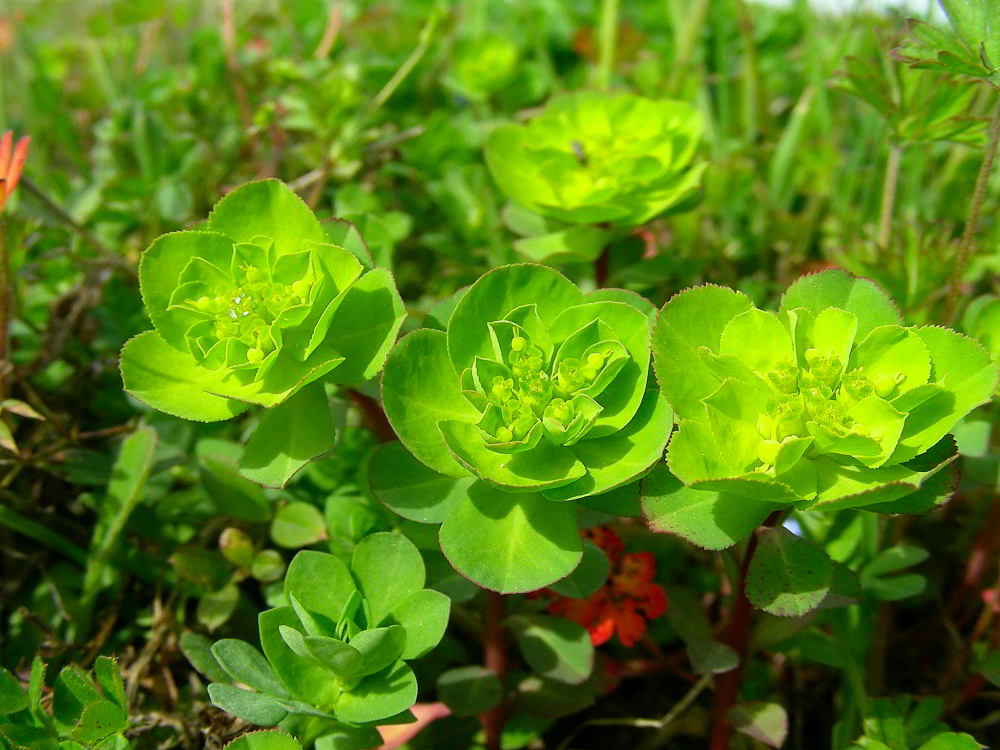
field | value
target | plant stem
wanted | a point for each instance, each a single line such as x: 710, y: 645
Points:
x: 495, y: 659
x: 5, y: 307
x: 607, y: 31
x: 372, y: 416
x: 972, y: 223
x: 736, y: 636
x: 888, y: 198
x: 684, y: 41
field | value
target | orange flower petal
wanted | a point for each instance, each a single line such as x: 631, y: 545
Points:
x: 5, y: 146
x: 631, y: 626
x: 653, y: 601
x: 17, y: 165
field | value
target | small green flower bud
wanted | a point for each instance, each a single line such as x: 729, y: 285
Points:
x: 595, y: 361
x: 784, y: 378
x: 767, y: 451
x: 518, y: 343
x: 504, y: 434
x: 255, y: 355
x: 884, y: 383
x: 253, y: 274
x: 237, y: 547
x: 205, y: 304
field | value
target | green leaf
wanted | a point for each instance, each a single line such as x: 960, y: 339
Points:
x: 160, y: 270
x: 511, y: 542
x: 687, y: 616
x: 267, y: 208
x: 379, y: 647
x: 365, y: 326
x: 216, y: 607
x: 690, y: 320
x: 255, y: 708
x: 98, y: 721
x: 758, y: 340
x: 349, y: 738
x: 579, y: 244
x: 243, y: 663
x: 379, y: 696
x: 410, y: 489
x: 468, y: 691
x: 765, y: 722
x: 623, y: 457
x: 321, y: 582
x: 968, y: 377
x: 388, y: 569
x: 304, y: 678
x: 711, y: 520
x: 289, y: 436
x: 231, y: 493
x: 789, y: 576
x: 494, y: 295
x: 298, y: 524
x: 424, y: 614
x: 951, y: 741
x: 170, y: 381
x: 589, y: 576
x: 109, y: 677
x: 198, y: 650
x: 875, y: 578
x: 264, y: 741
x: 13, y: 697
x: 339, y: 657
x: 554, y: 647
x: 420, y: 388
x: 268, y: 565
x: 543, y: 467
x: 989, y: 666
x: 833, y: 288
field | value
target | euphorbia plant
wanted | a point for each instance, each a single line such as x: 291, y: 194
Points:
x: 259, y: 307
x: 600, y: 163
x: 536, y: 394
x: 829, y: 403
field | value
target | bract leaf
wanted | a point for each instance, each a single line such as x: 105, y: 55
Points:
x: 511, y: 542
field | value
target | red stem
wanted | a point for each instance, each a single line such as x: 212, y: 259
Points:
x: 737, y: 637
x: 373, y: 416
x: 495, y: 659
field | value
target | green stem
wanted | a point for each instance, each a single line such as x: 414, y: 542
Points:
x: 972, y: 223
x: 684, y: 42
x: 42, y: 534
x: 607, y: 33
x: 426, y: 36
x: 888, y: 197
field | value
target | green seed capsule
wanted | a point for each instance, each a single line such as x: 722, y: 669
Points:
x: 518, y: 343
x: 255, y: 355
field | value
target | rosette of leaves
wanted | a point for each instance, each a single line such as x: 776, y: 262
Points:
x: 257, y: 307
x: 535, y: 395
x: 339, y: 649
x: 831, y: 403
x: 615, y: 160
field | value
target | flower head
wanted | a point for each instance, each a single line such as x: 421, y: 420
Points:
x: 625, y: 602
x: 832, y: 402
x: 594, y: 157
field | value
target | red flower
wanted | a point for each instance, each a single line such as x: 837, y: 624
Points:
x: 11, y: 163
x: 625, y: 602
